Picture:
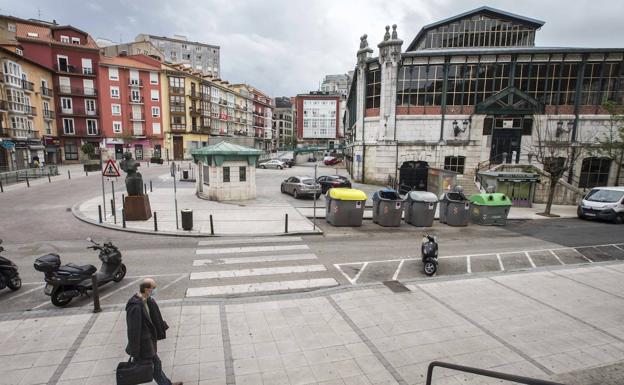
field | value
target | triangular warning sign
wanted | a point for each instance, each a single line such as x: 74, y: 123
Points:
x: 110, y: 169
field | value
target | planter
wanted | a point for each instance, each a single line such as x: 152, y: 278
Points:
x: 91, y: 166
x: 156, y: 160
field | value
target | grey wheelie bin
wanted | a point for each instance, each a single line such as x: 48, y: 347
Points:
x: 454, y: 209
x: 489, y: 209
x: 344, y: 207
x: 387, y: 208
x: 420, y: 208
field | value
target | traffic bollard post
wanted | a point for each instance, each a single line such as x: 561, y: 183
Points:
x: 123, y: 218
x: 96, y: 294
x: 68, y: 174
x: 211, y: 226
x: 286, y: 224
x: 155, y: 222
x: 27, y: 181
x: 151, y: 190
x: 100, y: 213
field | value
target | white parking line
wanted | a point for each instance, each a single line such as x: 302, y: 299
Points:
x: 119, y: 289
x: 255, y: 272
x: 234, y: 241
x: 500, y: 262
x: 250, y: 249
x: 359, y: 273
x: 398, y: 270
x: 530, y: 259
x: 556, y: 256
x: 259, y: 259
x: 468, y: 267
x: 583, y: 255
x: 23, y: 293
x: 173, y: 282
x: 618, y: 247
x: 261, y: 287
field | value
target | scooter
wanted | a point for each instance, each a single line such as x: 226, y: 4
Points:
x: 429, y: 252
x: 9, y: 277
x: 63, y: 283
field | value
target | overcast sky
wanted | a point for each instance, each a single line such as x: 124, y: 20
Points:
x: 285, y: 47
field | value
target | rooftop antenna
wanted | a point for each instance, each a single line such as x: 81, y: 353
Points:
x: 39, y: 13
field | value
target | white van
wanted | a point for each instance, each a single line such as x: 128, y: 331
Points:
x: 603, y: 203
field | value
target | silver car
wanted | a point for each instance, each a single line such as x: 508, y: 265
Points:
x: 273, y: 163
x: 299, y: 186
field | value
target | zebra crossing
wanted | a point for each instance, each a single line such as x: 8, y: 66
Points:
x: 254, y: 266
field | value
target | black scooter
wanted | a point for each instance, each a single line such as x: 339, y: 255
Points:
x: 63, y: 283
x: 9, y: 277
x: 429, y: 252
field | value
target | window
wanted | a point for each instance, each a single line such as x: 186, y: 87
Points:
x: 156, y: 128
x: 184, y: 46
x: 66, y: 105
x: 114, y: 92
x: 116, y: 109
x: 92, y: 127
x: 594, y: 172
x: 19, y: 51
x: 89, y: 88
x: 373, y: 88
x: 155, y: 112
x: 138, y: 151
x: 455, y: 163
x: 206, y: 175
x: 90, y: 106
x: 157, y: 151
x: 153, y: 77
x: 117, y: 127
x: 87, y: 65
x: 242, y: 174
x: 68, y: 126
x: 113, y: 73
x: 64, y: 39
x: 75, y: 40
x: 11, y: 27
x: 155, y: 95
x: 71, y: 151
x: 135, y: 95
x: 226, y: 174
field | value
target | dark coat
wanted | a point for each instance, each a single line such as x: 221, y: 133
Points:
x: 143, y: 333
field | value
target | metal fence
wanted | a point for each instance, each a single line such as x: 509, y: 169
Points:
x: 17, y: 176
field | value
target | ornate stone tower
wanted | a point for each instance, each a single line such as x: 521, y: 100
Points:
x: 389, y: 60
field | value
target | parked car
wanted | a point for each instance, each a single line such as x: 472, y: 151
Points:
x: 299, y: 186
x: 330, y: 161
x: 311, y: 159
x: 330, y: 181
x: 273, y: 163
x: 603, y: 203
x: 289, y: 161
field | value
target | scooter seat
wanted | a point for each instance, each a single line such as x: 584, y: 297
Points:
x: 87, y: 270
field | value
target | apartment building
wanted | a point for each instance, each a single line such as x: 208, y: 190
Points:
x: 318, y: 118
x: 27, y: 122
x: 283, y: 123
x: 201, y: 57
x: 131, y: 106
x: 262, y: 119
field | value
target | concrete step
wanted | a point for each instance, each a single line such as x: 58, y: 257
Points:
x: 467, y: 182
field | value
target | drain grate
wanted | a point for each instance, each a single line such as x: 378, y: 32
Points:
x: 396, y: 286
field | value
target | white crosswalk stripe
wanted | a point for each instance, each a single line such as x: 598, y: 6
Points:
x: 257, y: 266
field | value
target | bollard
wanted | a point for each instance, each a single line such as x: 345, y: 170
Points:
x: 123, y: 201
x: 155, y: 222
x: 49, y: 180
x: 100, y: 212
x: 112, y: 203
x: 1, y: 187
x: 123, y: 218
x: 286, y: 224
x: 211, y: 226
x: 145, y: 188
x: 96, y: 294
x: 27, y: 181
x: 68, y: 175
x: 86, y: 173
x: 151, y: 190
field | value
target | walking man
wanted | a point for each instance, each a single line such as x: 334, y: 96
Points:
x: 145, y: 328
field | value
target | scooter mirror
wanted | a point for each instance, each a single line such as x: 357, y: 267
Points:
x: 89, y: 239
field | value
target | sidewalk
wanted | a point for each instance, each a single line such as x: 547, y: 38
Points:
x: 514, y: 323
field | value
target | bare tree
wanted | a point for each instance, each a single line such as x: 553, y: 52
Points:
x: 611, y: 143
x: 557, y: 154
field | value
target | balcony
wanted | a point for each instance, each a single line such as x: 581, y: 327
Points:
x: 74, y: 70
x: 48, y: 114
x: 3, y: 105
x: 176, y: 90
x: 18, y: 133
x: 76, y: 91
x: 195, y: 111
x: 46, y: 92
x: 178, y: 127
x: 28, y: 86
x: 79, y: 111
x: 136, y: 117
x: 195, y: 95
x: 132, y: 100
x: 135, y: 83
x: 138, y: 131
x: 177, y: 109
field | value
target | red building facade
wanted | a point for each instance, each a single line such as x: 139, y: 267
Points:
x: 317, y: 118
x: 131, y: 106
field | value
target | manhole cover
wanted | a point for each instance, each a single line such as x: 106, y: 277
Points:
x: 396, y: 286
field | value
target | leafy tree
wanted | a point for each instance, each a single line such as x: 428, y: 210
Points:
x: 89, y: 150
x: 611, y: 143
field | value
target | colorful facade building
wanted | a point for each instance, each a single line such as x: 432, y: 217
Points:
x: 27, y: 122
x: 131, y: 106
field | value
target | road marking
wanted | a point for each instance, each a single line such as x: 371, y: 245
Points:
x: 359, y: 273
x: 23, y: 293
x: 398, y: 270
x: 530, y: 259
x: 556, y: 256
x: 250, y: 249
x: 500, y: 262
x: 153, y: 276
x: 617, y: 247
x: 265, y: 258
x: 173, y: 282
x: 468, y: 267
x: 250, y: 240
x: 255, y: 272
x: 117, y: 290
x: 261, y: 287
x: 41, y: 305
x: 583, y: 255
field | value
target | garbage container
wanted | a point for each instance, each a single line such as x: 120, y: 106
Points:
x: 489, y: 209
x: 454, y: 209
x: 387, y: 208
x: 187, y: 219
x: 420, y: 208
x: 344, y: 207
x: 185, y: 174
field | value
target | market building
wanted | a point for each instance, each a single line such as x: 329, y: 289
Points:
x: 471, y: 91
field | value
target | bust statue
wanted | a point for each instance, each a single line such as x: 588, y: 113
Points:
x: 134, y: 179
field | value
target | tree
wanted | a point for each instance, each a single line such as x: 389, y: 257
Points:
x: 611, y: 143
x: 557, y: 154
x: 88, y: 150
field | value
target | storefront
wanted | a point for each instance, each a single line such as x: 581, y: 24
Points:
x: 52, y: 152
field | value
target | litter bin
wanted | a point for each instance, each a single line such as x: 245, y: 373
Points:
x: 185, y: 174
x: 489, y: 209
x: 344, y: 207
x: 420, y: 208
x: 454, y: 209
x: 187, y: 219
x: 387, y: 208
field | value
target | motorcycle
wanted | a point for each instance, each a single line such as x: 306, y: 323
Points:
x: 9, y: 277
x: 429, y: 253
x: 63, y: 283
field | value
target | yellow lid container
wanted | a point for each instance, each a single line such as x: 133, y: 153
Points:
x: 347, y: 194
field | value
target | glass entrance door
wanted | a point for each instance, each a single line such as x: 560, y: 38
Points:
x: 504, y: 143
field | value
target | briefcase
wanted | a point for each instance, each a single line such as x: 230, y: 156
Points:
x: 135, y: 372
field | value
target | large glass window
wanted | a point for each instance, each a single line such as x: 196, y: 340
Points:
x: 71, y: 151
x: 594, y: 172
x: 373, y: 88
x: 455, y: 163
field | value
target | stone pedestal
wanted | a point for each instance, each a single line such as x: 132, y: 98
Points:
x: 137, y: 208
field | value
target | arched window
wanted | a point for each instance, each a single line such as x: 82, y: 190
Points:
x: 595, y: 172
x: 455, y: 163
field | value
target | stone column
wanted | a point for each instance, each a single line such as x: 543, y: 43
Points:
x: 389, y: 60
x: 363, y: 54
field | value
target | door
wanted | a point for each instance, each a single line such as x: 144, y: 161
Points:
x: 138, y: 151
x: 63, y: 64
x: 504, y: 143
x: 119, y: 151
x: 178, y: 148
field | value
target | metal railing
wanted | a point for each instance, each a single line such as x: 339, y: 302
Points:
x: 486, y: 373
x: 16, y: 176
x: 68, y: 90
